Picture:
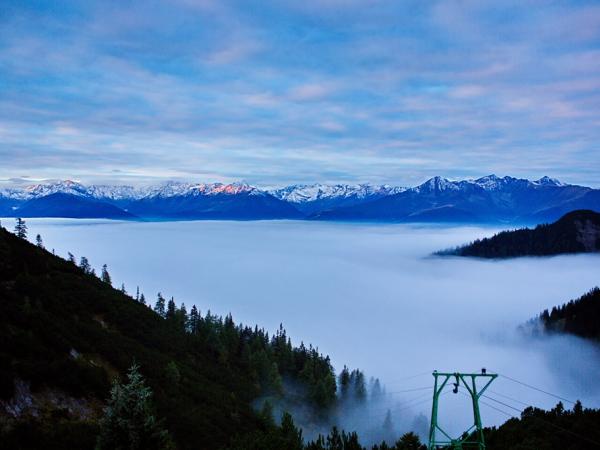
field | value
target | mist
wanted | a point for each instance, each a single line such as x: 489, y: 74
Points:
x: 369, y: 296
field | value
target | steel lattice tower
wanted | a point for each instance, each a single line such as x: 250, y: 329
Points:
x: 473, y: 436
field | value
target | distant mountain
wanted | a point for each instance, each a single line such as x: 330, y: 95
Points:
x: 73, y: 206
x: 487, y: 199
x: 575, y: 232
x: 172, y: 200
x: 312, y: 198
x: 215, y: 201
x: 8, y: 206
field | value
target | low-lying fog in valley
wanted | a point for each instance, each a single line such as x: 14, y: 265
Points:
x: 370, y: 296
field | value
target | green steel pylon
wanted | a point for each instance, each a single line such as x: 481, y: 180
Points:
x: 473, y: 437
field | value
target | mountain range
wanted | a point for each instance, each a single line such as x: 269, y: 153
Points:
x: 489, y: 199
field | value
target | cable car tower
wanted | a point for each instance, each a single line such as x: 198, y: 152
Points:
x: 472, y: 438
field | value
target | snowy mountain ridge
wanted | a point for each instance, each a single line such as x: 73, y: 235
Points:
x: 297, y: 193
x: 300, y: 193
x: 488, y: 183
x: 126, y: 192
x: 486, y: 199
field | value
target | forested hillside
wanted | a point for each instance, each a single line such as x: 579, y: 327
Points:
x: 580, y: 317
x: 66, y: 334
x: 557, y: 429
x: 575, y: 232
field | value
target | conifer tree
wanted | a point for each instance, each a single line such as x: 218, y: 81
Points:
x: 344, y: 383
x: 360, y: 390
x: 137, y: 294
x: 39, y: 242
x: 266, y: 412
x: 193, y: 322
x: 129, y: 422
x: 159, y: 307
x: 171, y: 308
x: 21, y: 228
x: 182, y: 318
x: 388, y: 427
x: 105, y: 276
x: 123, y: 290
x: 292, y: 436
x: 142, y: 299
x: 376, y: 391
x: 409, y: 441
x: 84, y: 265
x: 334, y: 440
x: 71, y: 257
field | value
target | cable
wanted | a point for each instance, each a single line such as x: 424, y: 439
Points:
x: 410, y: 377
x: 537, y: 389
x: 503, y: 404
x: 497, y: 409
x: 509, y: 398
x: 410, y: 390
x: 487, y: 404
x: 411, y: 404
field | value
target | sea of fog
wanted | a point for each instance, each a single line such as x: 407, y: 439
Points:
x: 370, y: 296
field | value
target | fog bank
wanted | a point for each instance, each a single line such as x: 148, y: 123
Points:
x: 367, y: 295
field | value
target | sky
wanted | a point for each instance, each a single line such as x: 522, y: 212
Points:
x: 274, y: 92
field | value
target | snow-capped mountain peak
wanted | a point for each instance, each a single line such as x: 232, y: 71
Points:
x: 120, y: 192
x: 176, y: 188
x: 44, y: 189
x: 303, y: 193
x: 547, y: 181
x: 437, y: 184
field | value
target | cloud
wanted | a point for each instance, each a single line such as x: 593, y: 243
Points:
x: 310, y: 91
x: 235, y: 89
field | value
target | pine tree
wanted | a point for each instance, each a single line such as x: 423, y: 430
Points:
x: 171, y: 309
x: 39, y: 242
x: 182, y: 318
x: 193, y: 322
x: 388, y: 427
x: 334, y: 440
x: 360, y: 390
x: 123, y: 290
x: 84, y: 265
x: 292, y: 436
x: 71, y: 257
x: 266, y: 412
x: 350, y: 441
x: 172, y: 375
x: 21, y: 228
x: 129, y: 422
x: 409, y: 441
x: 344, y: 381
x: 105, y: 276
x: 159, y: 307
x: 376, y: 391
x: 142, y: 299
x: 137, y: 294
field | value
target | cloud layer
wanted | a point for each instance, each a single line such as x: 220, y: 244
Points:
x: 275, y: 92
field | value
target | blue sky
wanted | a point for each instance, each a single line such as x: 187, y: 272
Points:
x: 275, y: 92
